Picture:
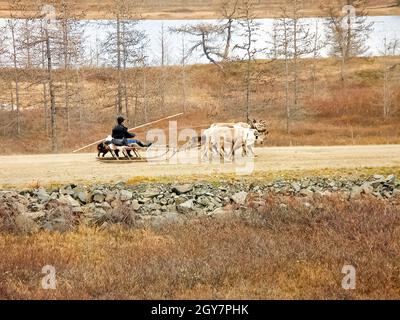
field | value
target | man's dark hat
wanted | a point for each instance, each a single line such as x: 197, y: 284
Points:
x: 120, y: 119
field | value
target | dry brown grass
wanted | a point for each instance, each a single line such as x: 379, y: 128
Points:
x: 335, y: 116
x: 292, y: 253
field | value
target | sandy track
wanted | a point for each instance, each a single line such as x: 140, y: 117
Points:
x: 74, y: 168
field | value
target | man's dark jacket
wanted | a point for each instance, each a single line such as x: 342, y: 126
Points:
x: 121, y: 132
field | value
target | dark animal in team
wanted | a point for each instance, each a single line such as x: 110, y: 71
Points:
x: 103, y: 149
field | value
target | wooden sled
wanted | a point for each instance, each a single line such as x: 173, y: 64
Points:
x: 120, y: 160
x: 136, y: 156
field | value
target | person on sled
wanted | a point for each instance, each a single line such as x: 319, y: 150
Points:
x: 121, y: 136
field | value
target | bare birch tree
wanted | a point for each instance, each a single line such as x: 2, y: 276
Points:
x: 390, y: 49
x: 248, y: 33
x: 317, y: 45
x: 214, y: 40
x: 163, y: 62
x: 347, y: 31
x: 13, y: 25
x: 71, y: 38
x: 283, y: 37
x: 124, y: 45
x: 183, y: 73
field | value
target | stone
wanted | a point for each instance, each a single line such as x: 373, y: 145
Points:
x: 54, y: 196
x: 151, y: 193
x: 355, y: 192
x: 377, y: 181
x: 378, y: 195
x: 396, y: 193
x: 69, y: 201
x: 202, y: 200
x: 66, y: 191
x: 135, y: 205
x: 387, y: 194
x: 296, y: 187
x: 110, y: 196
x: 105, y: 205
x: 153, y: 207
x: 125, y: 195
x: 182, y: 189
x: 367, y: 188
x: 156, y: 212
x: 185, y: 207
x: 144, y: 200
x: 239, y: 198
x: 42, y: 195
x: 120, y: 184
x: 178, y: 200
x: 98, y: 196
x: 391, y: 179
x: 116, y: 203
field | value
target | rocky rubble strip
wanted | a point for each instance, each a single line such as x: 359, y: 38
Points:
x: 61, y: 209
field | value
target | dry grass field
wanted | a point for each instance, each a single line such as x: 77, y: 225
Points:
x: 337, y: 115
x: 277, y: 252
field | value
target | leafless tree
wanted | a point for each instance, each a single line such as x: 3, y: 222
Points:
x: 347, y: 30
x: 248, y: 32
x: 163, y: 41
x: 282, y: 38
x: 48, y: 37
x: 214, y: 39
x: 390, y: 49
x: 303, y: 41
x: 317, y: 45
x: 124, y: 46
x: 183, y: 73
x: 293, y: 40
x: 13, y: 25
x: 71, y: 43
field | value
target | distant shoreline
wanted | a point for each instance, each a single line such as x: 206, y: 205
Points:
x: 201, y: 14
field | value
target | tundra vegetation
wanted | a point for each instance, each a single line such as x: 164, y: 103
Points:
x: 54, y: 87
x: 272, y: 240
x: 262, y: 237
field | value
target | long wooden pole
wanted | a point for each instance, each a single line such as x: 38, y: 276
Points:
x: 135, y: 128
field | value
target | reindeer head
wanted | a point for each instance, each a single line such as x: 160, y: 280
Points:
x: 261, y: 128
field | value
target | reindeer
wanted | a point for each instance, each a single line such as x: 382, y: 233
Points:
x: 235, y: 136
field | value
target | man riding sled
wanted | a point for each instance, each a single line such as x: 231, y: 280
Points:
x: 121, y: 136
